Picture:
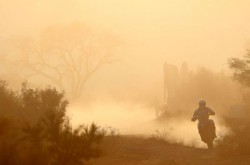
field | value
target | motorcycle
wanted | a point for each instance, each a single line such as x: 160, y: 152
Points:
x: 207, y: 132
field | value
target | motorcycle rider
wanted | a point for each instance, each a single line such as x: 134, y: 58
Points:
x: 202, y: 114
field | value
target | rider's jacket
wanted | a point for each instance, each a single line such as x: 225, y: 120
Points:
x: 202, y: 114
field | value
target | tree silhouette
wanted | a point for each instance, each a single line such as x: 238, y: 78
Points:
x: 241, y: 69
x: 67, y: 56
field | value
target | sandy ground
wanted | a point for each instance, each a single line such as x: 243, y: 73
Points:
x: 134, y: 150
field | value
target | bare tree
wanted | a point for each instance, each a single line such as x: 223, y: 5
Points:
x: 67, y: 56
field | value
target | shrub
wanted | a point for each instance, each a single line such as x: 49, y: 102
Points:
x: 34, y: 128
x: 236, y: 140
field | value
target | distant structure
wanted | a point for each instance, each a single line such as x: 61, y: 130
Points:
x: 172, y: 79
x: 171, y: 76
x: 184, y: 72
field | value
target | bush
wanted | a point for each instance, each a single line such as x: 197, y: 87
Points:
x: 236, y: 140
x: 34, y: 128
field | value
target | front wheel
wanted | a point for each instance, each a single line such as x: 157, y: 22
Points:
x: 210, y: 145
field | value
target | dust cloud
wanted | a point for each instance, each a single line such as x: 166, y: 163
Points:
x: 129, y: 119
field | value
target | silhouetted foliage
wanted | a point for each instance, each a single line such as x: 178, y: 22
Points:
x: 236, y: 140
x: 241, y: 73
x: 34, y: 129
x: 241, y: 69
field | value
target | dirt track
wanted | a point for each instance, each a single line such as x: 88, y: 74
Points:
x: 129, y: 150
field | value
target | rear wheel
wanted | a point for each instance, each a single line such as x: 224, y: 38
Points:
x: 210, y: 145
x: 207, y: 135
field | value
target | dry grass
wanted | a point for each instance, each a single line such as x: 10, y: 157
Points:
x: 138, y: 150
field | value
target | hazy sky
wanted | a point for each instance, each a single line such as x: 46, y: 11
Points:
x: 200, y: 32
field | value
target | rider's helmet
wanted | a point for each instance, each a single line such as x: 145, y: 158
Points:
x: 202, y: 103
